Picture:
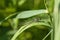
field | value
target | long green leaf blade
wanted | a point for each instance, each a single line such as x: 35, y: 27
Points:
x: 26, y: 27
x: 27, y: 14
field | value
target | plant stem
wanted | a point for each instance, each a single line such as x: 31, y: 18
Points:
x: 7, y: 18
x: 55, y: 19
x: 48, y: 34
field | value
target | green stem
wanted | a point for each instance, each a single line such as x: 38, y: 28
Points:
x: 48, y: 34
x: 50, y: 20
x: 55, y: 19
x: 7, y: 18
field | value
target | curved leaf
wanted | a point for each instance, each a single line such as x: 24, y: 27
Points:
x: 26, y: 27
x: 27, y: 14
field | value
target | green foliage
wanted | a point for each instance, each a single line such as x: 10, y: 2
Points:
x: 29, y: 20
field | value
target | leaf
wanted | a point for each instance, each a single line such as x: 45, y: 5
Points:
x: 30, y: 13
x: 23, y: 28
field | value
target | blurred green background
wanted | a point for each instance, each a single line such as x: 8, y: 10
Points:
x: 8, y: 7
